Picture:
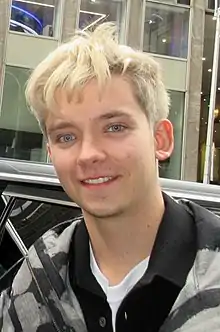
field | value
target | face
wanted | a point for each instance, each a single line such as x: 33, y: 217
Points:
x: 104, y: 150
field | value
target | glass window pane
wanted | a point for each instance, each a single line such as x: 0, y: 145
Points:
x: 20, y: 135
x: 171, y: 168
x: 209, y: 41
x: 31, y: 219
x: 179, y: 2
x: 96, y: 12
x: 11, y: 256
x: 211, y: 4
x: 33, y: 17
x: 166, y: 30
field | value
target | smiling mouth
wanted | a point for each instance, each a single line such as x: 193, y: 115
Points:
x: 100, y: 180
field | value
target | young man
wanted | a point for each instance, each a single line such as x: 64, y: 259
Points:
x: 137, y: 260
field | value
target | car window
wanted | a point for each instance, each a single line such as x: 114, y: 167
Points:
x: 29, y: 219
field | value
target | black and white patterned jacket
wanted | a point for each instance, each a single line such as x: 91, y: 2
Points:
x: 42, y: 300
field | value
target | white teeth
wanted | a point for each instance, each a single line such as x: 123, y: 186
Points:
x: 99, y: 180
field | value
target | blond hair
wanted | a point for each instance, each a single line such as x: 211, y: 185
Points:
x: 98, y: 55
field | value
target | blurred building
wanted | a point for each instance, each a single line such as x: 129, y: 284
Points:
x: 173, y: 31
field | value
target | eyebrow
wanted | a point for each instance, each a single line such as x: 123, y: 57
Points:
x: 113, y: 114
x: 59, y: 126
x: 107, y: 116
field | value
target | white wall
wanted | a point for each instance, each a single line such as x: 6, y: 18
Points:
x: 14, y: 112
x: 27, y: 51
x: 174, y: 72
x: 23, y: 53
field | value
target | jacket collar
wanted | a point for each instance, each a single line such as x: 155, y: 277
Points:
x: 172, y: 256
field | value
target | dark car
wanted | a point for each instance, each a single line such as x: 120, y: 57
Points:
x: 32, y: 201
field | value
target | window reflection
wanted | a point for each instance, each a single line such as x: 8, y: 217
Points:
x: 95, y: 12
x: 166, y: 29
x: 209, y: 39
x: 179, y: 2
x: 32, y: 219
x: 211, y: 4
x: 34, y: 18
x: 20, y: 135
x: 171, y: 167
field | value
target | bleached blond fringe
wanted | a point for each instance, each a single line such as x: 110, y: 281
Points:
x: 96, y: 55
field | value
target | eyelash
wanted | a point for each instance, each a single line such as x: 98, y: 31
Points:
x: 122, y: 128
x: 116, y: 125
x: 60, y: 137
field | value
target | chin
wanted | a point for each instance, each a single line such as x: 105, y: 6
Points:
x: 101, y: 213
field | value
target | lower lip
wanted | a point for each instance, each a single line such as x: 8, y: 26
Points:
x: 98, y: 185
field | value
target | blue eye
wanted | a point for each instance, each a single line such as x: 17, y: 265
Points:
x: 116, y: 128
x: 66, y: 138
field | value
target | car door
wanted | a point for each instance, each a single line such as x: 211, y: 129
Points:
x: 29, y: 211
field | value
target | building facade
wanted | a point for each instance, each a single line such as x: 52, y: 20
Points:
x: 173, y: 31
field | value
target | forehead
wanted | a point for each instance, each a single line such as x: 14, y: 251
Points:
x: 91, y: 100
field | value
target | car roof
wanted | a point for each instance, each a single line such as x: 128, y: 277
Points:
x: 40, y: 174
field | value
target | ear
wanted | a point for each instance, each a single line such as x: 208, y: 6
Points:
x: 164, y: 141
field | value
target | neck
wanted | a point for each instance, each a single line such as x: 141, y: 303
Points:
x: 120, y: 243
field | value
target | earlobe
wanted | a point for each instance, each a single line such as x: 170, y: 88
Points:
x: 163, y: 135
x: 162, y: 155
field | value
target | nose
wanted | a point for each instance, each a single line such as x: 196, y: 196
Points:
x: 91, y: 152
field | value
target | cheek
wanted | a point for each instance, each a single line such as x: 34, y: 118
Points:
x: 141, y: 157
x: 61, y: 161
x: 139, y: 151
x: 131, y: 158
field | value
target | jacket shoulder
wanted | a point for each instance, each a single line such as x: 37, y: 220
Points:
x: 207, y: 225
x: 25, y: 305
x: 197, y: 307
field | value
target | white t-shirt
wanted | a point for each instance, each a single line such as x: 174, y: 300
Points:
x: 116, y: 294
